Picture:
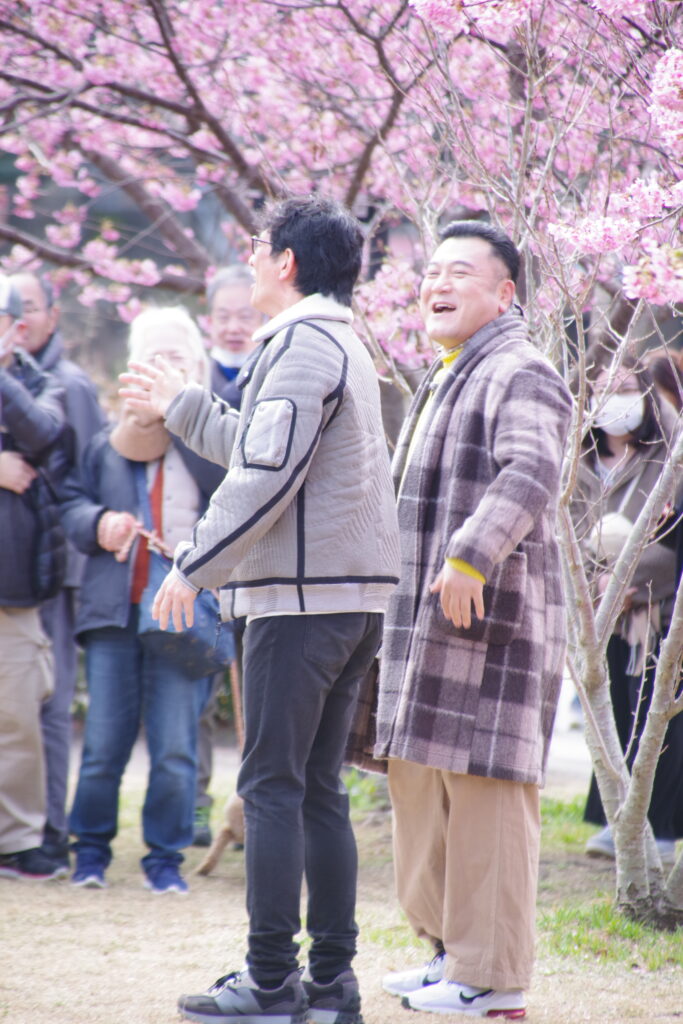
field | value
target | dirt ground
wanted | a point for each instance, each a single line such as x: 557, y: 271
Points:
x: 123, y: 955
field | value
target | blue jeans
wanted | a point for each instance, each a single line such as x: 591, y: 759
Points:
x: 301, y: 679
x: 127, y: 686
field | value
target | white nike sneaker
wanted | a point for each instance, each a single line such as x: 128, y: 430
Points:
x: 401, y: 982
x: 452, y: 997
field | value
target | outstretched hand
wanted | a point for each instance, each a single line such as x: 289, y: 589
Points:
x: 152, y: 385
x: 459, y: 592
x: 173, y: 600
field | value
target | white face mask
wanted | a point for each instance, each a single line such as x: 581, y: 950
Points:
x: 231, y: 360
x: 620, y: 414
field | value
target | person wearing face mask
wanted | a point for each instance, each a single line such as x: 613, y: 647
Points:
x: 232, y: 321
x: 127, y: 683
x: 624, y: 452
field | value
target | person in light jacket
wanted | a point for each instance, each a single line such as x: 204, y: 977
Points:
x: 302, y: 539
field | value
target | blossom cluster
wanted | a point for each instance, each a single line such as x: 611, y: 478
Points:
x: 566, y: 130
x: 389, y: 305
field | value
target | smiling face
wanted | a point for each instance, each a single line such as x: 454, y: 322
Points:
x: 466, y: 285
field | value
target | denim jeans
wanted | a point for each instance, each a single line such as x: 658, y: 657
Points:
x: 301, y: 680
x: 127, y: 686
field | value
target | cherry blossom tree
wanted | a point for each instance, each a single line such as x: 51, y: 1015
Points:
x: 560, y: 119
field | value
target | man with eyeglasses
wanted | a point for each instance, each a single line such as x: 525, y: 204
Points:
x: 302, y: 539
x: 32, y: 464
x: 474, y: 637
x: 42, y: 339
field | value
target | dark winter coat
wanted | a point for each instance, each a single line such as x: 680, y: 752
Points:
x: 481, y: 485
x: 32, y: 423
x: 84, y: 415
x: 107, y: 481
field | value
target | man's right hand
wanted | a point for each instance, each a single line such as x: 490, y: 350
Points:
x: 16, y: 474
x: 152, y: 386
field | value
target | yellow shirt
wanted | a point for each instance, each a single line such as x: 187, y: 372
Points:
x: 447, y: 359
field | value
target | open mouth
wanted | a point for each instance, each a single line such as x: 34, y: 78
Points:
x: 442, y: 307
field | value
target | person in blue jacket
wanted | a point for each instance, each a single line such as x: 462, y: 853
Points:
x: 127, y: 683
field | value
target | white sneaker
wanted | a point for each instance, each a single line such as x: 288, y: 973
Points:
x: 402, y: 982
x: 452, y: 997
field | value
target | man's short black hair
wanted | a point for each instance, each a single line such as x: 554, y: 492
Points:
x: 505, y: 249
x: 327, y: 242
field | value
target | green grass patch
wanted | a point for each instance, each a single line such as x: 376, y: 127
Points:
x: 563, y: 824
x: 368, y: 791
x: 597, y: 931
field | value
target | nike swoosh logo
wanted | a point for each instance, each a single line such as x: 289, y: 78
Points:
x: 468, y: 1000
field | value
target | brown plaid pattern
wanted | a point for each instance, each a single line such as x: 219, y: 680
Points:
x: 482, y: 485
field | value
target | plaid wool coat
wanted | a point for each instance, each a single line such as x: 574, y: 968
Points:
x: 479, y: 483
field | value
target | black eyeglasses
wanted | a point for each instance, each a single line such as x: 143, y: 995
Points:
x: 258, y: 241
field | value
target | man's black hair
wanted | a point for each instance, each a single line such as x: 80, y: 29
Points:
x: 503, y: 246
x: 327, y: 242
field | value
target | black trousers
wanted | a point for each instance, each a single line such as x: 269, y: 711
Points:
x: 301, y: 679
x: 666, y: 804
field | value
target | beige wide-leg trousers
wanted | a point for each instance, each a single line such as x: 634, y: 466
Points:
x: 466, y: 855
x: 26, y: 680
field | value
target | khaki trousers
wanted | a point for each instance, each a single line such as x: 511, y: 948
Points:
x: 26, y: 680
x: 466, y: 855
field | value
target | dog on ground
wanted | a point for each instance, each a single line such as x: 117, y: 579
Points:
x: 232, y: 831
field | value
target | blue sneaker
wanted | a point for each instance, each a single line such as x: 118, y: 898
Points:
x: 89, y: 870
x: 164, y: 877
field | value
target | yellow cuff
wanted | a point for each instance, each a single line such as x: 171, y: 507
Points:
x: 457, y: 563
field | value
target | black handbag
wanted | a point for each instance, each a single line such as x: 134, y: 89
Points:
x: 200, y: 650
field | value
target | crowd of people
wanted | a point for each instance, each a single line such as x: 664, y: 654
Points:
x: 257, y: 462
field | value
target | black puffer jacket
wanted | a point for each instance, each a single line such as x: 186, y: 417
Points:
x: 32, y: 423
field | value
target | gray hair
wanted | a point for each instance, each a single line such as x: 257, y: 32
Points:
x: 158, y: 318
x: 236, y: 273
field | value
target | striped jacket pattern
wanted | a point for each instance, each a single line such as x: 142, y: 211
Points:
x: 482, y: 485
x: 305, y: 519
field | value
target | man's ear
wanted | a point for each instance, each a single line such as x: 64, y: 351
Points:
x: 288, y: 267
x: 506, y: 294
x: 54, y: 317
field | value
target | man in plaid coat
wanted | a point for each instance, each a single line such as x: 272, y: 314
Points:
x: 474, y: 636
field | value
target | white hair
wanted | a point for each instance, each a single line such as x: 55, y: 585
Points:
x: 158, y: 319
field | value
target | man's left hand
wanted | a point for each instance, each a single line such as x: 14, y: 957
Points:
x: 174, y: 599
x: 458, y: 592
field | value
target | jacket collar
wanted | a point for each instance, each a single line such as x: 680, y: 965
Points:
x: 51, y: 352
x: 312, y: 307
